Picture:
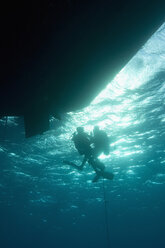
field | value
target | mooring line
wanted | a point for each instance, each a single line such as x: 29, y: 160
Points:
x: 106, y: 216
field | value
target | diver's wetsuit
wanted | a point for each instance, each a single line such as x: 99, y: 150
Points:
x: 82, y: 144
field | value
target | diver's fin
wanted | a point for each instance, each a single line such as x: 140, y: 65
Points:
x: 107, y: 175
x: 103, y: 174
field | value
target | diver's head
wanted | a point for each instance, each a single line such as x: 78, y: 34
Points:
x: 80, y: 129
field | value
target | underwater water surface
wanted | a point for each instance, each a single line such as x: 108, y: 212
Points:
x: 44, y: 203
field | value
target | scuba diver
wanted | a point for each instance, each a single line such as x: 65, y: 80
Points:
x: 82, y: 143
x: 100, y: 142
x: 91, y: 147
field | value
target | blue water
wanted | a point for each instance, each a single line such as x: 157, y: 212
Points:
x: 46, y: 204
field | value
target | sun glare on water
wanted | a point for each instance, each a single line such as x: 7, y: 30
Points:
x: 114, y: 109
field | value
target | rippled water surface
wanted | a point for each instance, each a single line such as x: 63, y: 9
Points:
x: 45, y: 203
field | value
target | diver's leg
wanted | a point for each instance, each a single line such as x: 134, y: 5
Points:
x: 83, y: 163
x: 98, y: 167
x: 72, y: 164
x: 87, y: 155
x: 78, y: 167
x: 96, y: 177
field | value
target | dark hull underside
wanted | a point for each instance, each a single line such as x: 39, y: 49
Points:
x: 56, y: 56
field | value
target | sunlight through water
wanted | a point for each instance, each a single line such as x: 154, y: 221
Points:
x: 123, y: 106
x: 130, y: 109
